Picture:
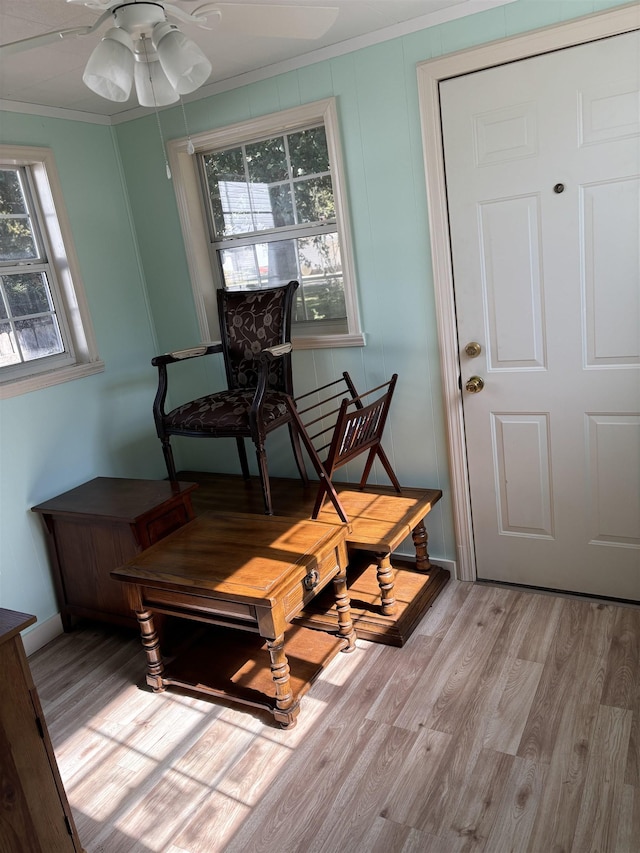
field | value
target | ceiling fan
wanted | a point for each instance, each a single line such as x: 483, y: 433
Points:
x: 142, y: 47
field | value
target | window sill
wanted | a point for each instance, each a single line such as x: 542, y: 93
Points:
x: 328, y: 341
x: 36, y: 382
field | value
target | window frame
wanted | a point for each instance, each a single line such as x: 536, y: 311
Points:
x: 67, y: 290
x: 40, y: 264
x: 203, y: 270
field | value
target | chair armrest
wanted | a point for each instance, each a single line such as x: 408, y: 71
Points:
x: 276, y: 351
x: 161, y: 362
x: 182, y: 354
x: 264, y: 358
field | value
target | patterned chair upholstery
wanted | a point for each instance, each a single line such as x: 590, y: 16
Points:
x: 255, y: 327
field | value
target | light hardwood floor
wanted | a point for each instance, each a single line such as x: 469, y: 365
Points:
x: 524, y: 738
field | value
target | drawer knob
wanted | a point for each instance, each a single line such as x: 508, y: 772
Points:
x: 311, y: 580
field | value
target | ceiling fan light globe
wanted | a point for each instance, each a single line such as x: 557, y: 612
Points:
x: 109, y: 71
x: 152, y: 87
x: 185, y: 65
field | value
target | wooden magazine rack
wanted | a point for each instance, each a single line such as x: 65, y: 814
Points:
x: 336, y: 433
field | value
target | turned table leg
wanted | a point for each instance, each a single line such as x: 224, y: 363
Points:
x: 343, y: 607
x: 386, y: 582
x: 420, y: 540
x: 286, y: 710
x: 151, y: 645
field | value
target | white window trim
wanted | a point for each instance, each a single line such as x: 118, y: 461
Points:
x: 65, y: 262
x: 186, y: 182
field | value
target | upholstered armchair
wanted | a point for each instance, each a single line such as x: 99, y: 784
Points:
x: 255, y: 328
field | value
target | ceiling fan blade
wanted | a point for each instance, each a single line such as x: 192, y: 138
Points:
x: 51, y: 38
x: 272, y: 21
x: 293, y: 22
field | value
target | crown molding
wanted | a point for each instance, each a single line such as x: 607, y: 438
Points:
x: 53, y: 112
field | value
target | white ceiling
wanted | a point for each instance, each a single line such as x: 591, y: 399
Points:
x: 51, y: 76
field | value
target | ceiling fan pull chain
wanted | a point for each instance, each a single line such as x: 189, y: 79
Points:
x: 164, y: 150
x: 155, y: 108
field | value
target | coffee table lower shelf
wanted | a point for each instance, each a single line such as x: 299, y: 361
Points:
x: 235, y: 665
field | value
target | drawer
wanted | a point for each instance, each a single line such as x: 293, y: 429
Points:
x: 162, y: 525
x: 299, y: 595
x: 198, y: 606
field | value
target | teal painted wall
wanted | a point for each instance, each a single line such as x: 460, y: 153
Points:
x: 56, y: 438
x: 377, y: 98
x: 127, y: 235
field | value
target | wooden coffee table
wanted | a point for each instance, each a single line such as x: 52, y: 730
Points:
x: 389, y: 595
x: 253, y: 574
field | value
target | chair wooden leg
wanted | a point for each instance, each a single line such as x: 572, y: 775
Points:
x: 168, y: 459
x: 297, y: 452
x: 261, y: 456
x: 242, y: 453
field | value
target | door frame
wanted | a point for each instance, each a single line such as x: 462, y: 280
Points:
x: 430, y: 74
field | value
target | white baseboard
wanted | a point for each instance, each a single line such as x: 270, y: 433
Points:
x: 450, y: 565
x: 41, y: 634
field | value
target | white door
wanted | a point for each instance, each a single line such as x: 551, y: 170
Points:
x: 542, y: 162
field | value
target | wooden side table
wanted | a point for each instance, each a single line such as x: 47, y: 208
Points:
x: 34, y: 810
x: 97, y: 527
x: 388, y: 598
x: 252, y: 573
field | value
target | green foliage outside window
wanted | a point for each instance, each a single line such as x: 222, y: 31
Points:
x: 29, y: 327
x: 280, y: 183
x: 16, y: 237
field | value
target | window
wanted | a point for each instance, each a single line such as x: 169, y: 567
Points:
x: 29, y: 325
x: 262, y: 203
x: 45, y: 331
x: 272, y: 218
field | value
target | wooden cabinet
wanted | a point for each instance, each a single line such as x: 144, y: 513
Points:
x: 97, y: 527
x: 35, y: 816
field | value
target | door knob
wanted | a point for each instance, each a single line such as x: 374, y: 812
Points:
x: 475, y: 384
x: 473, y: 349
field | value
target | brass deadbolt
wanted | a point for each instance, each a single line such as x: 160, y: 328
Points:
x: 473, y: 349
